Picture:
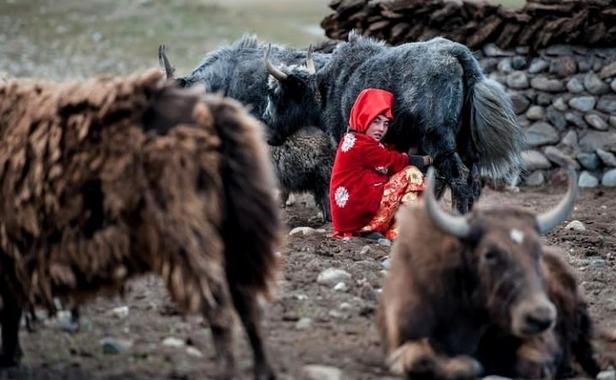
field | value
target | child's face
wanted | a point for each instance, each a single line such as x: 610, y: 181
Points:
x: 378, y: 128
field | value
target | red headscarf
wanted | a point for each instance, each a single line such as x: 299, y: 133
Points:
x: 370, y: 103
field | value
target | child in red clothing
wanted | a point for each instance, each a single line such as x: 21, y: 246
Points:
x: 369, y: 180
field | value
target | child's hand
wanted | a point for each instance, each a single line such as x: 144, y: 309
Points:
x: 427, y: 160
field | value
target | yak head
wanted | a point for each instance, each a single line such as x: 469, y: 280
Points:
x: 293, y: 99
x: 502, y: 256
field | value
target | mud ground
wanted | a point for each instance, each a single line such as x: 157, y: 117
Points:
x: 341, y: 332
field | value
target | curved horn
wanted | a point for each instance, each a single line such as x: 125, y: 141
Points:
x: 164, y: 62
x: 276, y: 72
x: 550, y: 219
x: 310, y: 61
x: 455, y: 225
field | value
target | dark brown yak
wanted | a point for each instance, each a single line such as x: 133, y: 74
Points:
x: 481, y: 294
x: 114, y: 177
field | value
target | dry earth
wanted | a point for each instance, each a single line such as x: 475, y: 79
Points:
x: 338, y: 328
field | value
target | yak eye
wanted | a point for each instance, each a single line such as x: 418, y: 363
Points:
x: 491, y: 255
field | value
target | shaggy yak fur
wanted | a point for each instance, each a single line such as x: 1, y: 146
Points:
x: 114, y: 177
x: 496, y: 302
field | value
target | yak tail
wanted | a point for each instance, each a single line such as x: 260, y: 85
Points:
x: 495, y: 132
x: 251, y: 221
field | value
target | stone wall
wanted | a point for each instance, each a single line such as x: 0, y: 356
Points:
x: 564, y: 94
x: 565, y: 99
x: 540, y: 23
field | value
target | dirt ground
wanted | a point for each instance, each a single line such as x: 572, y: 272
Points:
x: 340, y: 331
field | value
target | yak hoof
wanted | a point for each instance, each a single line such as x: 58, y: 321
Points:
x: 8, y: 361
x: 462, y: 368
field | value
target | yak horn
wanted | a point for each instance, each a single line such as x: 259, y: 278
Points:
x: 276, y: 72
x: 164, y: 62
x: 309, y: 61
x: 455, y: 225
x: 548, y: 220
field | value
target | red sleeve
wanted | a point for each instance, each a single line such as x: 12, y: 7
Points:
x: 377, y: 156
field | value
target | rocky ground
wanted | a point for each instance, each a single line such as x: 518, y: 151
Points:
x: 310, y: 322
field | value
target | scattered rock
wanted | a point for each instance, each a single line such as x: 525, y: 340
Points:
x: 365, y: 250
x: 120, y: 312
x: 613, y: 85
x: 597, y: 140
x: 321, y: 372
x: 303, y: 324
x: 386, y: 263
x: 367, y: 292
x: 112, y: 346
x: 575, y: 225
x: 304, y: 231
x: 587, y: 180
x: 385, y: 242
x: 607, y: 375
x: 173, y: 342
x: 341, y: 287
x: 609, y: 178
x: 333, y: 276
x: 612, y: 121
x: 194, y: 351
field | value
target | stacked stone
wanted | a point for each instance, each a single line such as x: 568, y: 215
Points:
x: 540, y: 23
x: 565, y: 99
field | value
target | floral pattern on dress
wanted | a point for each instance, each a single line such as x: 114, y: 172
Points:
x: 382, y: 169
x: 341, y: 196
x: 347, y: 142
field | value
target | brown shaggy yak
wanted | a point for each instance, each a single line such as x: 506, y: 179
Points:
x: 480, y: 294
x: 114, y: 177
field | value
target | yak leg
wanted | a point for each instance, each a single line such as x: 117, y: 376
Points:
x: 322, y: 199
x: 249, y: 311
x: 456, y: 175
x: 417, y: 360
x: 536, y: 357
x: 221, y: 320
x: 9, y: 318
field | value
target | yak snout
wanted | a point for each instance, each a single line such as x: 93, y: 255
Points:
x: 533, y: 316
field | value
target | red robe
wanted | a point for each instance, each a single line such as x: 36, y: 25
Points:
x: 362, y: 165
x: 361, y: 169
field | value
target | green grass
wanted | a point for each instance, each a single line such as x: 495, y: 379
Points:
x: 60, y: 39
